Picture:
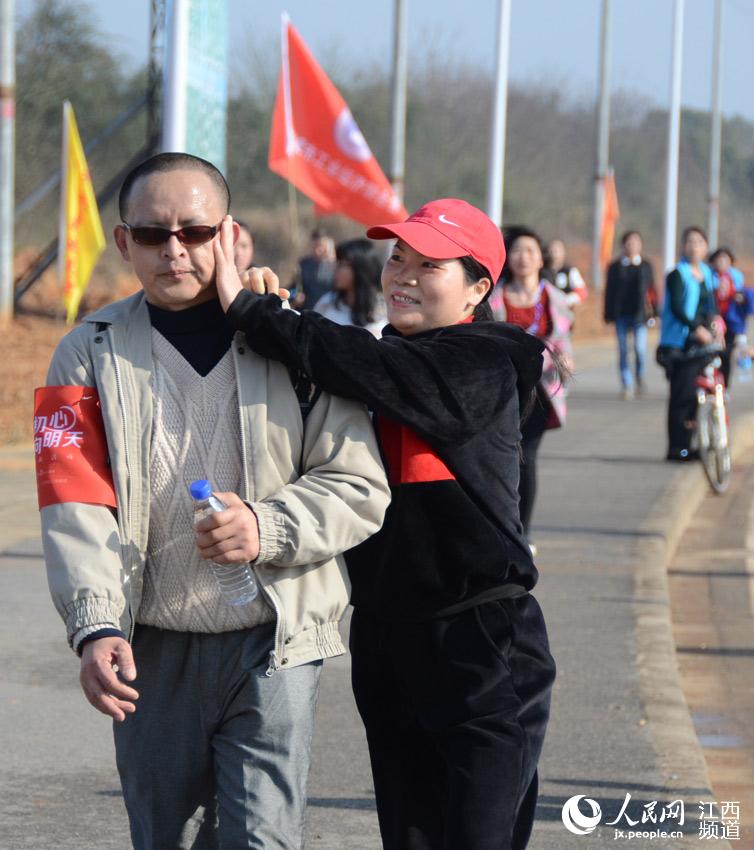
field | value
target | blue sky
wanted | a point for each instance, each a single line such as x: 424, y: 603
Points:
x: 552, y: 41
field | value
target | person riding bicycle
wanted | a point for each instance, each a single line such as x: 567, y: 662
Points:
x: 690, y: 324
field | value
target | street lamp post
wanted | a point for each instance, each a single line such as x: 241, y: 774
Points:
x: 7, y: 142
x: 674, y: 138
x: 175, y: 75
x: 496, y: 173
x: 713, y: 209
x: 603, y: 145
x: 398, y: 124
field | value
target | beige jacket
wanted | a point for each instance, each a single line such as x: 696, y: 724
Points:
x: 307, y: 517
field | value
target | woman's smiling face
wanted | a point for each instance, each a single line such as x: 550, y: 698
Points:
x: 423, y: 293
x: 525, y: 258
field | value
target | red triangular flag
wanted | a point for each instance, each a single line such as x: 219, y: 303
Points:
x: 316, y: 144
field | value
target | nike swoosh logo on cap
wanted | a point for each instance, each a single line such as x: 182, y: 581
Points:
x: 446, y: 221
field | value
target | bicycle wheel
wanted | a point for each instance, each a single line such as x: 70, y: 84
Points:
x: 714, y: 451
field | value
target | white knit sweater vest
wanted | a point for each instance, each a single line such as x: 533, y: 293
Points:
x: 196, y: 433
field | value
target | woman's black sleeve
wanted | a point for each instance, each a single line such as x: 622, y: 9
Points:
x: 447, y: 388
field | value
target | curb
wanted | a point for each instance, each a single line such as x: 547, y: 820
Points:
x: 680, y: 755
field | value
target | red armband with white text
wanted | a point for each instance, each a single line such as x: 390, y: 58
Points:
x: 70, y: 448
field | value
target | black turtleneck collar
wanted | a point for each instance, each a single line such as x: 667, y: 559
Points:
x: 201, y: 334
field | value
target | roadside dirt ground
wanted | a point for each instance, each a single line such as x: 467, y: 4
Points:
x: 26, y: 346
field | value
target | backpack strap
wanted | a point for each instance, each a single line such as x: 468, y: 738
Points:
x: 307, y: 392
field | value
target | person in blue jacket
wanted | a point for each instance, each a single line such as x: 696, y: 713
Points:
x: 735, y: 303
x: 689, y: 324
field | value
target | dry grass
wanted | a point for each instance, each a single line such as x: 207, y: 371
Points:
x: 26, y: 346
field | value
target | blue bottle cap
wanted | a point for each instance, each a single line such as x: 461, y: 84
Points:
x: 200, y: 489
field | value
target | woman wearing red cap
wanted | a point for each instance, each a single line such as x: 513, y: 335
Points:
x: 451, y: 667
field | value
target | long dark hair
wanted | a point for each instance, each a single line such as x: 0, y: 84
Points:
x: 474, y: 271
x: 363, y: 258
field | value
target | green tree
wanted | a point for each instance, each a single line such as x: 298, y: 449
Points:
x: 62, y: 55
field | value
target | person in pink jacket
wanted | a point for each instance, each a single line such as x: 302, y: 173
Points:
x: 525, y: 298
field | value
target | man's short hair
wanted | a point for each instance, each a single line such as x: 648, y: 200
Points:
x: 687, y: 231
x: 162, y: 162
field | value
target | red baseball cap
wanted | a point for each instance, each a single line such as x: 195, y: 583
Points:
x: 447, y: 229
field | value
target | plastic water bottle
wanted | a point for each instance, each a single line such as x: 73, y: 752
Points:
x: 743, y: 359
x: 236, y: 581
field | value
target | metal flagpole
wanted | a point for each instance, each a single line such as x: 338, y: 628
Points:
x: 674, y: 137
x: 291, y: 143
x: 496, y: 173
x: 157, y: 40
x: 398, y: 128
x: 63, y: 215
x: 175, y: 76
x: 603, y: 145
x: 291, y: 146
x: 713, y: 209
x: 7, y: 143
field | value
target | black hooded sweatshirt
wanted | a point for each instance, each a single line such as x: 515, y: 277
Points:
x: 447, y: 408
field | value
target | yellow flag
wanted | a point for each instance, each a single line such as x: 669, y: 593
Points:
x: 81, y: 237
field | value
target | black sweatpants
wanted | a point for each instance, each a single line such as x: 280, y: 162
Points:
x: 682, y: 402
x: 455, y: 711
x: 532, y: 432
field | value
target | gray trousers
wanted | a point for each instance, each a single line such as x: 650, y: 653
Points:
x: 216, y: 756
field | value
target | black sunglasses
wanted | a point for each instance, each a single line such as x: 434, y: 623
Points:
x: 191, y: 235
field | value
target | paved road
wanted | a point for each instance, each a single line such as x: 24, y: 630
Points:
x: 619, y: 726
x: 619, y: 723
x: 711, y: 580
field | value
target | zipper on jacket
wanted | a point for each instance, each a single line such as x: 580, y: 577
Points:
x: 273, y: 665
x: 129, y: 479
x: 244, y: 461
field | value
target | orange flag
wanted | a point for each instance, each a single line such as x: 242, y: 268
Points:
x: 610, y: 216
x: 317, y: 146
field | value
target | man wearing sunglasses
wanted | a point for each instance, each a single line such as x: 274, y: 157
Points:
x: 213, y: 703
